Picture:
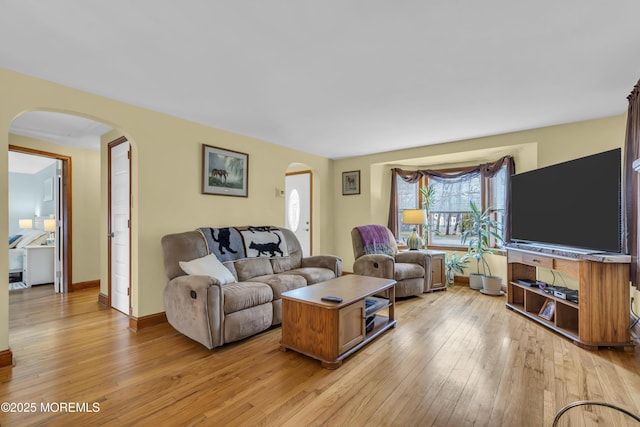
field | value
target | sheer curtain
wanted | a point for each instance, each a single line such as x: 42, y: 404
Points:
x: 632, y: 178
x: 486, y: 170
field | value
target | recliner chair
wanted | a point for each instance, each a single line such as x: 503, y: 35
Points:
x: 410, y: 269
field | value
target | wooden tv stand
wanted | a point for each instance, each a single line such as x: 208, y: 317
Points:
x: 602, y: 315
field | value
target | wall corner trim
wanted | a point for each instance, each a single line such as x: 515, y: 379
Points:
x: 103, y: 299
x: 137, y: 323
x: 6, y: 358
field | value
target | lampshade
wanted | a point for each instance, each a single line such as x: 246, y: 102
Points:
x: 25, y: 223
x: 414, y: 216
x: 49, y: 225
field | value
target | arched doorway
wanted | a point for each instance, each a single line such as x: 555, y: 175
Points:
x: 61, y: 136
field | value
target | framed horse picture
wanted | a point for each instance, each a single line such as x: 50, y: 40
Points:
x: 224, y: 172
x: 350, y: 183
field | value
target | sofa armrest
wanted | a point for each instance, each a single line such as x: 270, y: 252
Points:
x: 414, y: 257
x: 194, y: 307
x: 330, y: 262
x: 375, y: 265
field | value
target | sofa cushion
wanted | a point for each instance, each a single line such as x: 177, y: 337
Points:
x: 313, y: 274
x: 277, y: 312
x: 231, y: 266
x: 208, y: 266
x: 287, y: 263
x: 264, y: 241
x: 251, y: 267
x: 244, y: 323
x: 281, y: 282
x: 241, y: 295
x: 408, y: 271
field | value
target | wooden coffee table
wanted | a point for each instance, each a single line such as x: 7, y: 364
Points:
x: 331, y: 331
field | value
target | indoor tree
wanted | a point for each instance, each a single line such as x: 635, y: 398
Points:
x: 428, y: 196
x: 479, y: 228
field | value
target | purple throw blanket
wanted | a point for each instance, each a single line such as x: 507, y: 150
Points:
x: 375, y: 239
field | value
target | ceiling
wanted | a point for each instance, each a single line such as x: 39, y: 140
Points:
x: 27, y: 163
x: 339, y: 78
x: 61, y: 128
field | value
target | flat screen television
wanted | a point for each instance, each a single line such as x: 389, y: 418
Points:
x: 575, y: 204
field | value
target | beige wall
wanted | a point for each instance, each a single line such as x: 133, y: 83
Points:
x: 166, y: 177
x: 85, y: 204
x: 531, y: 149
x: 165, y: 181
x: 166, y: 189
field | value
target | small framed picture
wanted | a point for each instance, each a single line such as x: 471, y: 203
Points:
x: 548, y: 309
x: 350, y: 183
x: 224, y: 172
x: 48, y: 190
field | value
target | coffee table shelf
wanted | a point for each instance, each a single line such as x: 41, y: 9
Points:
x: 330, y: 331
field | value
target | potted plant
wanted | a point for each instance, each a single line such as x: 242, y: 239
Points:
x: 428, y: 197
x: 478, y: 230
x: 454, y: 264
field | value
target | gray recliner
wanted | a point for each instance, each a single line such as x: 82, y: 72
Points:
x: 410, y: 269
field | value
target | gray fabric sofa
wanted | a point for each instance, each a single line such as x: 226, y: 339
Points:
x: 212, y: 312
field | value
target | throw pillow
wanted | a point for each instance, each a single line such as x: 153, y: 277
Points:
x: 208, y: 266
x: 13, y: 240
x: 35, y: 238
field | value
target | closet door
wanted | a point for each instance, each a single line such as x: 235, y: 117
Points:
x: 119, y: 225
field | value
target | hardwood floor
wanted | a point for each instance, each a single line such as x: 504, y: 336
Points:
x: 456, y: 358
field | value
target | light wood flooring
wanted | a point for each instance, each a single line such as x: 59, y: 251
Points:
x: 456, y: 358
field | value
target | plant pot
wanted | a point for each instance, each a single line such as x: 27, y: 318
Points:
x: 450, y: 276
x: 492, y: 285
x: 475, y: 280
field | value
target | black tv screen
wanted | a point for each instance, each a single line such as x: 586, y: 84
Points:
x: 576, y: 204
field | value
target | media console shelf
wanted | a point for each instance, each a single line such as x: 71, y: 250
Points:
x: 602, y: 315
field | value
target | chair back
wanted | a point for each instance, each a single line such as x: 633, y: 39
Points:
x: 358, y: 246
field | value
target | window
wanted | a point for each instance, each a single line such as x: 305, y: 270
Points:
x: 407, y: 199
x: 450, y: 204
x: 498, y: 188
x: 293, y: 210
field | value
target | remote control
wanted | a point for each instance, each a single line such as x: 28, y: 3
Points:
x: 332, y: 299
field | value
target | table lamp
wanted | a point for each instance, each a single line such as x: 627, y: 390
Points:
x: 25, y: 223
x: 50, y: 226
x: 414, y: 217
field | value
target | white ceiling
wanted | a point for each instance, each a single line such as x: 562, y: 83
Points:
x: 339, y: 78
x: 27, y: 163
x: 61, y: 128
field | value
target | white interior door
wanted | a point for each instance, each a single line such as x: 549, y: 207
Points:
x: 119, y: 223
x: 298, y: 207
x: 58, y: 283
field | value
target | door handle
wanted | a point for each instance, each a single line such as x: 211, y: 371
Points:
x: 111, y: 235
